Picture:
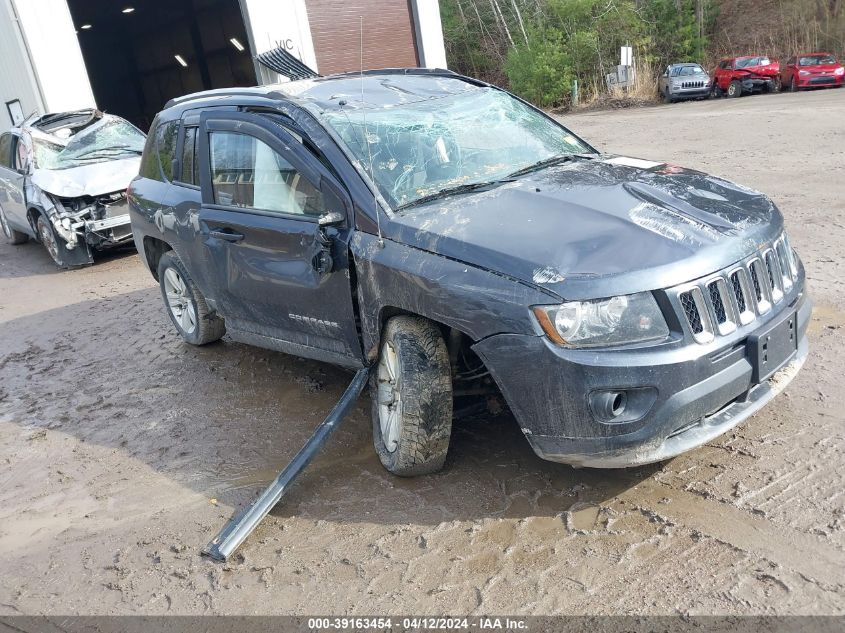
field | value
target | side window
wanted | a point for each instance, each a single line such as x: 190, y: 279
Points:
x: 6, y: 150
x: 248, y: 173
x: 166, y: 146
x: 159, y: 151
x: 190, y: 166
x: 20, y: 155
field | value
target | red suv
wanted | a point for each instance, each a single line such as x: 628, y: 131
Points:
x: 812, y: 70
x: 737, y: 76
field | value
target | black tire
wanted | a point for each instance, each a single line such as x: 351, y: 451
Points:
x: 9, y: 234
x: 735, y: 90
x: 207, y: 325
x: 424, y: 386
x: 716, y: 92
x: 52, y: 243
x: 667, y: 98
x: 793, y: 85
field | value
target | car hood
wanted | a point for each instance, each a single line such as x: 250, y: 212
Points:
x: 764, y: 70
x: 597, y: 227
x: 87, y: 180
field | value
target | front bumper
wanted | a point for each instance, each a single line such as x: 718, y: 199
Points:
x: 689, y: 93
x: 758, y: 84
x: 820, y: 81
x: 686, y: 394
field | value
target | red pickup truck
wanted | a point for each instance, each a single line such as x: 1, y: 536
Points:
x: 736, y: 76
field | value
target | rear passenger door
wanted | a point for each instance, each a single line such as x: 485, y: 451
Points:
x: 280, y: 279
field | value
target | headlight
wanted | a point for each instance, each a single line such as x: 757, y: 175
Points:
x: 601, y: 322
x: 803, y: 72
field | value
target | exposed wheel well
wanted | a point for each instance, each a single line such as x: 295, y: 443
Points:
x: 469, y: 373
x: 154, y: 248
x: 32, y: 215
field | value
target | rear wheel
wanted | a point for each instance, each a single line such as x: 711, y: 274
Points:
x: 11, y: 235
x: 186, y: 306
x: 735, y: 89
x: 411, y: 392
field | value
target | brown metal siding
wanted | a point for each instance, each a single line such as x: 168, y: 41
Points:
x: 388, y: 34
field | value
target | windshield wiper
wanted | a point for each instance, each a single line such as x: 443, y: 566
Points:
x: 113, y: 148
x: 540, y: 164
x: 451, y: 191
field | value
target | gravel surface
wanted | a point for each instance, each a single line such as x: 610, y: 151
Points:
x: 123, y: 451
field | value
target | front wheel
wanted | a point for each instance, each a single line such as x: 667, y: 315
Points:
x: 735, y: 90
x: 12, y: 236
x: 53, y: 244
x: 185, y: 304
x: 793, y: 85
x: 716, y: 92
x: 411, y: 392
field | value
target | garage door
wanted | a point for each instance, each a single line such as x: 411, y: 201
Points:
x: 388, y: 34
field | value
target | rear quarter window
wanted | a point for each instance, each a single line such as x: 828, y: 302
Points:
x: 157, y: 162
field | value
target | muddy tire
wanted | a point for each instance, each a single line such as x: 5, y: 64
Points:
x: 9, y: 234
x: 411, y: 392
x: 735, y: 90
x: 52, y: 243
x: 185, y: 305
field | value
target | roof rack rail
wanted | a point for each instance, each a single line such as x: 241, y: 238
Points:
x: 256, y: 91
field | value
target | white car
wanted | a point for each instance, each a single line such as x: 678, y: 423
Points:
x: 63, y: 180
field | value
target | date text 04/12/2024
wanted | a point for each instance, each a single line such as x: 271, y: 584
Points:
x: 417, y: 623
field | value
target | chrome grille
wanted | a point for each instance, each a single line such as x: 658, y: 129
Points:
x: 692, y: 84
x: 718, y: 304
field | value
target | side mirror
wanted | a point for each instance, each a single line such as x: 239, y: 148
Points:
x: 332, y: 218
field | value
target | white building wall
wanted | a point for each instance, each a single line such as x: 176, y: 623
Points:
x: 51, y: 38
x: 432, y: 49
x: 17, y: 81
x: 280, y: 23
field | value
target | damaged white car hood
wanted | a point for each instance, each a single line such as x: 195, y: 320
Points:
x: 88, y: 180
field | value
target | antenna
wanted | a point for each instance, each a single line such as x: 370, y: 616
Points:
x: 367, y: 140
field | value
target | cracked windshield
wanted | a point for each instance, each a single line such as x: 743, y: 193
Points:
x: 419, y: 149
x: 103, y: 141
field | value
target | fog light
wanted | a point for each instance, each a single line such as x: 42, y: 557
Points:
x: 618, y: 406
x: 610, y: 404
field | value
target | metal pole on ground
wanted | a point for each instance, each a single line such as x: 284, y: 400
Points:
x: 241, y: 526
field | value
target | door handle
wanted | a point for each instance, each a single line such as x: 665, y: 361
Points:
x: 226, y: 234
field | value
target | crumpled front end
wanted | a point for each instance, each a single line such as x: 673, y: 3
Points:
x: 729, y: 353
x: 87, y: 223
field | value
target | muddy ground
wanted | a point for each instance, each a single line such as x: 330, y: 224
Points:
x: 122, y: 450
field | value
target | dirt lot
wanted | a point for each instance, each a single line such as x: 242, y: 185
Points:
x: 122, y: 451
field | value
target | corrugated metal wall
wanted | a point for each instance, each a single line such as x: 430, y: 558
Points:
x: 16, y: 78
x: 389, y: 39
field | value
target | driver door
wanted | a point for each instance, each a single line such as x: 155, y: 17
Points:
x: 278, y: 273
x: 12, y: 166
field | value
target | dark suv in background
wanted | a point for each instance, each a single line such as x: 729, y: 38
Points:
x: 461, y: 243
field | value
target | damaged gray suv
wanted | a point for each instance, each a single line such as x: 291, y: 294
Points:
x: 63, y: 180
x: 464, y: 244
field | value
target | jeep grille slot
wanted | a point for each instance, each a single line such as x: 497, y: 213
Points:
x: 739, y: 293
x: 719, y: 304
x: 691, y: 310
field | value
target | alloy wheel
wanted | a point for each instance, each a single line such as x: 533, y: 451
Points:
x: 389, y: 397
x: 48, y: 239
x: 180, y: 303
